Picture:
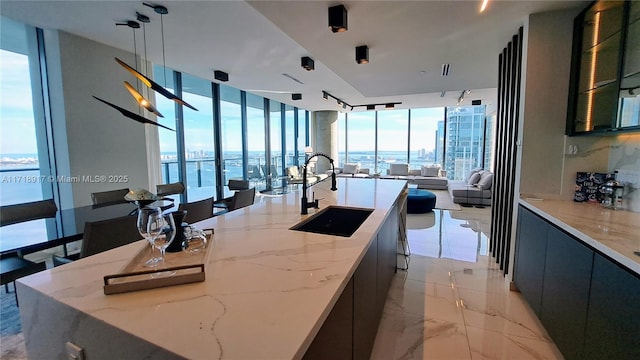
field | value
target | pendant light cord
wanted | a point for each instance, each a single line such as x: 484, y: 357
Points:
x: 146, y: 61
x: 135, y: 58
x: 164, y: 63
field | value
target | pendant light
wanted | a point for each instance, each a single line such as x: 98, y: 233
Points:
x: 132, y: 115
x: 140, y: 99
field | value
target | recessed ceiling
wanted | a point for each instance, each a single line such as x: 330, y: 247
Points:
x: 259, y: 41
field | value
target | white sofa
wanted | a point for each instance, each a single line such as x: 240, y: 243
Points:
x: 427, y: 177
x: 352, y: 170
x: 476, y: 189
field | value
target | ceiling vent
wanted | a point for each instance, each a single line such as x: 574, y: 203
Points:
x: 292, y: 78
x: 445, y: 69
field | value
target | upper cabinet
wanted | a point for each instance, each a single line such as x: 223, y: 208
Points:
x: 605, y: 76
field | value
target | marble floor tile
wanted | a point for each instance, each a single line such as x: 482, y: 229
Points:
x: 428, y: 269
x: 452, y: 277
x: 404, y: 335
x: 504, y: 312
x: 426, y: 299
x: 487, y: 344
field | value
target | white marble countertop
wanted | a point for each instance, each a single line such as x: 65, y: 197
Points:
x: 268, y: 289
x: 613, y: 233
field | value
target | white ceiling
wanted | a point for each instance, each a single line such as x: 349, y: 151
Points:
x: 258, y: 41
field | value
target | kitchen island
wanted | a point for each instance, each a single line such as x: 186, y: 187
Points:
x: 268, y: 290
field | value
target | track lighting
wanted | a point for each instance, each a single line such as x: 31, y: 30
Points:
x: 461, y: 97
x: 344, y: 104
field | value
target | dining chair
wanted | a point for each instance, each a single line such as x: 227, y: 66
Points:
x: 170, y: 189
x: 14, y: 266
x: 104, y: 235
x: 197, y: 210
x: 109, y: 234
x: 110, y: 197
x: 238, y: 184
x: 240, y: 199
x: 13, y: 214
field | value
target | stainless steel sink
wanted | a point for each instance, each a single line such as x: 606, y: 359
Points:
x: 334, y: 220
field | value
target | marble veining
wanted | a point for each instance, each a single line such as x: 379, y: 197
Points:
x: 614, y: 233
x: 264, y: 282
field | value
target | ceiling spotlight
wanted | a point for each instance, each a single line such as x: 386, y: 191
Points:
x: 344, y: 106
x: 325, y: 96
x: 362, y: 54
x: 371, y: 107
x: 338, y: 18
x: 389, y: 106
x: 220, y: 75
x: 307, y: 63
x: 296, y: 96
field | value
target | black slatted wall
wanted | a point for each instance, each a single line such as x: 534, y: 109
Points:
x: 504, y: 195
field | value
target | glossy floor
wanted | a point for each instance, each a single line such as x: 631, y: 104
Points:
x: 454, y: 302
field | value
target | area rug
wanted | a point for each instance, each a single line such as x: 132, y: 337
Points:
x: 444, y: 201
x: 11, y: 339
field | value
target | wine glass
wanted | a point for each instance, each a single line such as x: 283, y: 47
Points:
x: 144, y: 213
x: 162, y: 231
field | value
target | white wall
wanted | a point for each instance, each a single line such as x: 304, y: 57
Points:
x: 91, y: 138
x: 546, y: 68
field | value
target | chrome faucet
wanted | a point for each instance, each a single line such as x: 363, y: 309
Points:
x: 305, y: 204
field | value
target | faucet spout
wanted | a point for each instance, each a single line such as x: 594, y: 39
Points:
x: 305, y: 204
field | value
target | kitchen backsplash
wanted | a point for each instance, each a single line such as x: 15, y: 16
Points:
x: 604, y: 155
x: 624, y: 156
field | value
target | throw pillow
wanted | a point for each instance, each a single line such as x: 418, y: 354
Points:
x: 432, y: 170
x: 473, y: 171
x: 399, y: 169
x: 473, y: 179
x: 486, y: 180
x: 351, y: 168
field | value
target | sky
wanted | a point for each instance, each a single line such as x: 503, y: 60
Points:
x: 17, y: 128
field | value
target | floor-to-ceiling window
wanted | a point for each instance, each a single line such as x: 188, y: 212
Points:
x: 393, y: 135
x: 361, y: 139
x: 290, y: 139
x: 256, y: 132
x: 424, y: 138
x: 231, y: 134
x: 275, y: 137
x: 465, y: 140
x: 302, y: 141
x: 342, y: 140
x: 25, y: 153
x: 168, y: 139
x: 198, y: 138
x: 21, y: 163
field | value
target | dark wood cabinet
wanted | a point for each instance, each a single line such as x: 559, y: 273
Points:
x: 565, y: 292
x: 613, y: 321
x: 589, y: 304
x: 351, y: 327
x: 365, y: 308
x: 605, y: 75
x: 335, y: 338
x: 531, y: 248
